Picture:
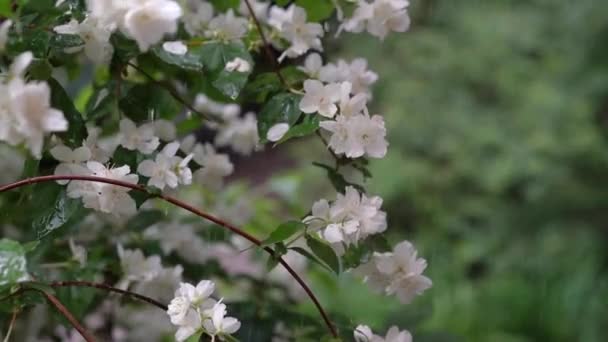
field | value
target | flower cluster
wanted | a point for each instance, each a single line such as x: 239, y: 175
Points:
x: 398, y: 272
x: 363, y: 333
x: 379, y: 17
x: 340, y: 92
x: 139, y: 148
x: 350, y: 218
x: 146, y: 275
x: 193, y: 310
x: 25, y: 111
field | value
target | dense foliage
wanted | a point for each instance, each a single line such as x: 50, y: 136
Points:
x: 100, y: 105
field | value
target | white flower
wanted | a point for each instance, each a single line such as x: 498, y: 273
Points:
x: 351, y: 217
x: 177, y: 309
x: 165, y: 130
x: 355, y: 72
x: 162, y: 171
x: 240, y: 133
x: 379, y: 17
x: 104, y: 197
x: 214, y: 166
x: 151, y: 20
x: 277, y: 132
x: 218, y: 323
x: 238, y: 64
x: 140, y: 138
x: 363, y: 333
x: 198, y: 294
x: 4, y: 28
x: 162, y: 286
x: 227, y: 26
x: 394, y: 335
x: 351, y: 106
x: 197, y: 15
x: 79, y: 253
x: 301, y: 34
x: 25, y: 111
x: 357, y: 135
x: 178, y: 237
x: 136, y: 267
x: 312, y: 65
x: 260, y: 9
x: 279, y: 16
x: 320, y: 98
x: 94, y: 34
x: 189, y: 325
x: 101, y: 149
x: 71, y: 160
x: 190, y: 306
x: 176, y: 47
x: 399, y: 272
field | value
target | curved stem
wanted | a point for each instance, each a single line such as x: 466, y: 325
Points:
x: 185, y: 206
x: 110, y: 289
x: 269, y: 53
x: 10, y: 326
x: 65, y: 313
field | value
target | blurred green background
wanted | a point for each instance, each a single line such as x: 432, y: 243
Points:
x: 498, y: 169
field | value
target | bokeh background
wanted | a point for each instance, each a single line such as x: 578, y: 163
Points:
x: 498, y: 169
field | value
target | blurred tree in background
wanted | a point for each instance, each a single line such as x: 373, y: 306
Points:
x: 498, y: 120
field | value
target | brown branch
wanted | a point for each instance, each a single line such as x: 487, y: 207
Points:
x: 110, y: 289
x: 185, y: 206
x: 172, y: 92
x: 65, y: 313
x: 11, y: 325
x: 267, y: 48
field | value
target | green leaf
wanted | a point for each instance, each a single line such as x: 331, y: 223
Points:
x: 190, y: 61
x: 324, y: 251
x: 77, y: 130
x: 5, y: 8
x: 40, y: 69
x: 231, y: 83
x: 31, y: 246
x: 337, y: 180
x: 122, y: 156
x: 144, y: 102
x: 215, y: 56
x: 262, y: 86
x: 317, y: 10
x: 308, y: 126
x: 125, y: 49
x: 13, y: 265
x: 283, y: 232
x: 283, y: 107
x: 196, y: 337
x: 224, y: 5
x: 311, y: 257
x: 60, y: 42
x: 54, y: 214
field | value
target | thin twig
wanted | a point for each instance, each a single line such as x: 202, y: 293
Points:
x: 110, y: 289
x: 267, y: 48
x: 10, y: 326
x: 65, y: 313
x: 185, y: 206
x: 173, y: 92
